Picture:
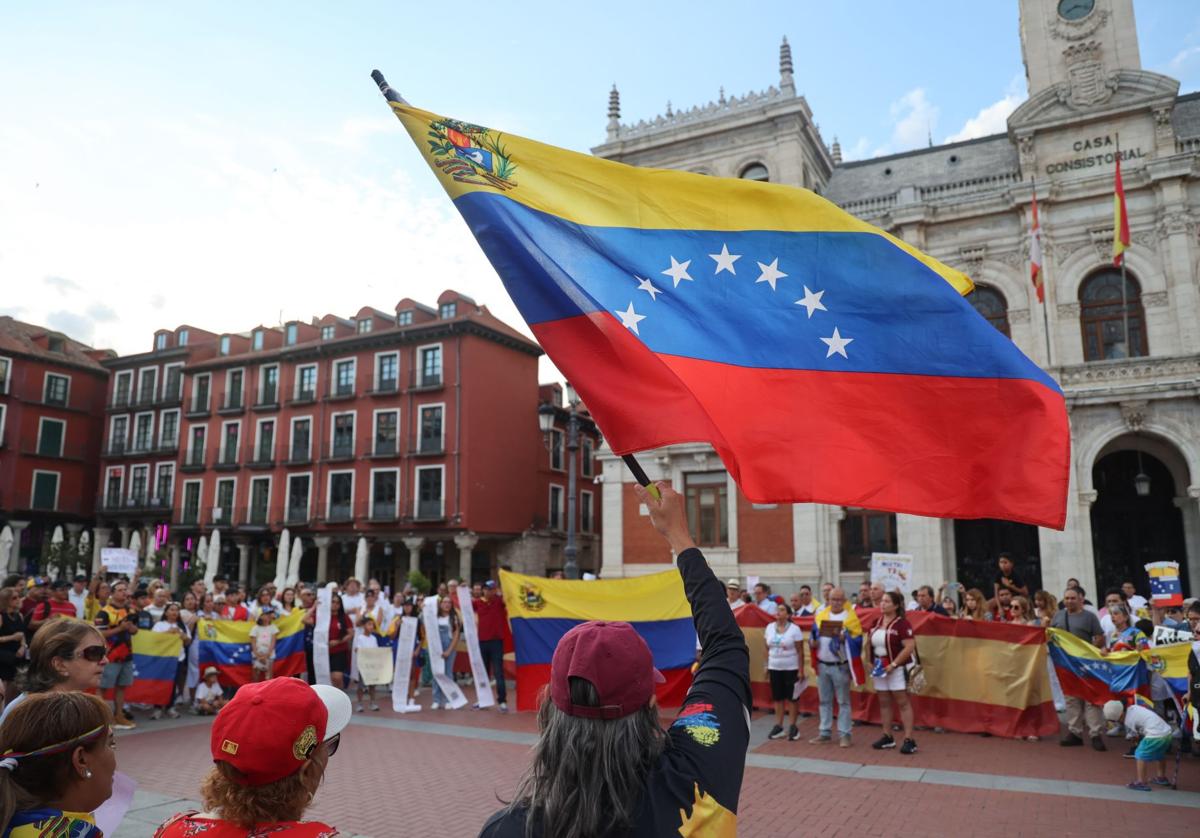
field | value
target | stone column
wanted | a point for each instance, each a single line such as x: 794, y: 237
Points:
x: 322, y: 542
x: 465, y: 543
x: 125, y: 533
x: 175, y: 548
x: 1189, y: 506
x: 612, y: 519
x: 14, y: 557
x: 101, y: 535
x: 413, y: 545
x: 243, y: 546
x: 925, y: 540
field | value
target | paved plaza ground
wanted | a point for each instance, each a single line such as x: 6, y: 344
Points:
x: 443, y: 772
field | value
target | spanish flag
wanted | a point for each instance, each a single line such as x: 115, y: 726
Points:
x: 541, y: 611
x: 1035, y: 252
x: 1120, y: 217
x: 873, y: 382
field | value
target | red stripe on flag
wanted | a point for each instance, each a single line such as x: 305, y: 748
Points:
x: 533, y: 677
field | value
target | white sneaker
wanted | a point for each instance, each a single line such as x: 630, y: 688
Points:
x: 157, y: 714
x: 435, y: 706
x: 503, y: 706
x: 359, y: 708
x: 172, y: 713
x: 414, y: 707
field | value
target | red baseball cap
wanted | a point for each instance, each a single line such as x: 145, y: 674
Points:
x: 615, y: 659
x: 269, y: 729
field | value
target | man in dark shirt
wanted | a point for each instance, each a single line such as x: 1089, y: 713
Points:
x: 926, y: 601
x: 1007, y: 579
x: 688, y: 785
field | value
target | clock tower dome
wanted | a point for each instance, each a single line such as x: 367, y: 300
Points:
x: 1078, y: 46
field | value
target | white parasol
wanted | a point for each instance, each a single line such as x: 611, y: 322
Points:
x: 281, y: 559
x: 200, y: 554
x: 212, y: 560
x: 82, y: 552
x: 360, y: 561
x: 293, y: 574
x: 6, y: 545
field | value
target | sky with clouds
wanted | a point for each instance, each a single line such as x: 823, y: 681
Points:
x: 231, y: 164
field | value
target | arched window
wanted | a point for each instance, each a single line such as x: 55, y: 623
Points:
x: 755, y: 171
x: 1102, y: 320
x: 991, y: 304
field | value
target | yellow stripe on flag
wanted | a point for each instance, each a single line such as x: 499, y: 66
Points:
x: 658, y: 596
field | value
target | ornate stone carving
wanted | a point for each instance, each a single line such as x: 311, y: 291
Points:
x: 972, y: 258
x: 1157, y: 299
x: 1068, y: 311
x: 1017, y: 258
x: 1027, y: 151
x: 1102, y: 238
x: 1164, y: 130
x: 1133, y: 414
x: 1146, y: 238
x: 1178, y: 221
x: 1088, y: 85
x: 1018, y: 315
x: 1136, y: 372
x: 1075, y: 30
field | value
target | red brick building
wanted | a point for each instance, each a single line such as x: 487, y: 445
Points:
x: 416, y: 429
x: 51, y: 421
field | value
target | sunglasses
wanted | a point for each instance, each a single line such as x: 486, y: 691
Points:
x: 92, y: 654
x: 331, y: 744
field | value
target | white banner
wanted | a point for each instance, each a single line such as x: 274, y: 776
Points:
x: 893, y: 571
x: 119, y: 560
x: 437, y: 663
x: 1164, y: 636
x: 321, y: 635
x: 374, y: 665
x: 483, y: 687
x: 406, y: 639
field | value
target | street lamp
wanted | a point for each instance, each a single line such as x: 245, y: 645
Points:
x: 546, y: 416
x: 1141, y: 481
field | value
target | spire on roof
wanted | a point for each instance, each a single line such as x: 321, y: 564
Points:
x: 836, y: 152
x: 614, y: 113
x: 787, y: 83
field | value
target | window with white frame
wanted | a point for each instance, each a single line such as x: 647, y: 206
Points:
x: 224, y: 345
x: 291, y: 333
x: 258, y: 339
x: 264, y: 446
x: 299, y: 490
x: 118, y: 434
x: 122, y: 388
x: 160, y: 341
x: 268, y: 385
x: 429, y: 499
x: 224, y: 500
x: 260, y: 500
x: 201, y: 386
x: 555, y: 517
x: 429, y: 365
x: 306, y: 383
x: 147, y: 385
x: 446, y: 311
x: 44, y: 491
x: 143, y: 432
x: 585, y: 511
x: 114, y: 481
x: 182, y: 339
x: 587, y: 457
x: 432, y: 439
x: 404, y: 318
x: 387, y: 433
x: 190, y: 514
x: 57, y: 391
x: 230, y: 432
x: 342, y: 435
x: 168, y: 429
x: 196, y: 445
x: 343, y: 377
x: 301, y: 447
x: 327, y: 332
x: 556, y: 451
x: 5, y: 374
x: 364, y: 325
x: 139, y: 484
x: 234, y: 381
x: 385, y: 494
x: 164, y: 484
x: 173, y: 382
x: 52, y: 434
x: 387, y: 372
x: 341, y: 496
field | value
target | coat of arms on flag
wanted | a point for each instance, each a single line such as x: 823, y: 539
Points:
x: 471, y: 154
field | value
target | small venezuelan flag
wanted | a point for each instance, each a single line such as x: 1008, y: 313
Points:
x: 1086, y: 673
x: 541, y: 611
x: 155, y: 662
x: 225, y: 644
x: 1165, y: 587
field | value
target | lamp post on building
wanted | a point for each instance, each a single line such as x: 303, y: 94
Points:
x: 546, y: 416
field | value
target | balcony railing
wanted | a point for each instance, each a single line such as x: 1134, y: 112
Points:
x: 297, y: 514
x: 430, y: 510
x: 304, y: 397
x: 269, y: 401
x: 263, y: 459
x: 340, y: 512
x: 189, y: 517
x: 340, y: 391
x: 193, y: 462
x: 227, y: 461
x: 430, y: 446
x: 232, y: 404
x: 300, y: 454
x: 258, y: 516
x: 383, y: 511
x: 385, y: 387
x: 385, y: 448
x: 64, y: 451
x: 197, y: 410
x: 340, y: 451
x: 425, y: 381
x: 135, y: 504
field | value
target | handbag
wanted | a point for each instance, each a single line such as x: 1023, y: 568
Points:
x: 914, y: 674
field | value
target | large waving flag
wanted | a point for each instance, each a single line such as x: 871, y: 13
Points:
x: 225, y: 644
x: 155, y: 662
x: 541, y: 611
x: 824, y: 359
x: 1086, y: 673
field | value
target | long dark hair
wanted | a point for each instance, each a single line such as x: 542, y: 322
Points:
x: 587, y: 776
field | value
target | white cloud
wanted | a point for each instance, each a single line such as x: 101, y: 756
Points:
x: 992, y: 119
x: 914, y: 118
x: 1181, y: 59
x: 857, y: 151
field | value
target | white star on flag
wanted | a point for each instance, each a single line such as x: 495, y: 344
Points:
x: 812, y: 301
x: 770, y: 273
x: 678, y: 271
x: 837, y: 344
x: 648, y: 286
x: 725, y: 259
x: 630, y: 319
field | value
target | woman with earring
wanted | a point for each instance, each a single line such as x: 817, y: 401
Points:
x: 66, y: 655
x: 57, y: 759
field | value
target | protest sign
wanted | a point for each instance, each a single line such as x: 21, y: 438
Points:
x: 893, y: 571
x: 119, y: 560
x: 374, y: 665
x: 1164, y: 636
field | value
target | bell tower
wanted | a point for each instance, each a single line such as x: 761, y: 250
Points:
x: 1077, y: 47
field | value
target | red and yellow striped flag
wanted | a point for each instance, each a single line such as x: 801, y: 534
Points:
x: 1035, y: 253
x: 1120, y: 218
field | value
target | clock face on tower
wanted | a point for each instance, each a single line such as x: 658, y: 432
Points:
x: 1075, y: 9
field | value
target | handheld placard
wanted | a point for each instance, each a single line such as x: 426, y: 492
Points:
x: 635, y: 469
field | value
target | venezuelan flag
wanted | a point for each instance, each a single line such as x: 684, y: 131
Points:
x: 540, y: 611
x: 1086, y: 673
x: 225, y: 644
x: 155, y: 662
x: 1170, y: 662
x: 873, y: 382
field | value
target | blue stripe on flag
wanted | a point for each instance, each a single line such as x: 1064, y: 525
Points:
x: 671, y: 642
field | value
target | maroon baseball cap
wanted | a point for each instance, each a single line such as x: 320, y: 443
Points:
x: 617, y: 662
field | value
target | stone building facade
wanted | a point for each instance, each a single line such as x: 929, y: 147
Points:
x: 1125, y: 351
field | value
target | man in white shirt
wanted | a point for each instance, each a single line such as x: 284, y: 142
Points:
x: 79, y: 594
x: 733, y: 593
x: 1135, y: 601
x: 762, y: 598
x: 802, y: 602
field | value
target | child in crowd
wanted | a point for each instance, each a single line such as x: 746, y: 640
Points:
x: 1155, y: 740
x: 262, y: 638
x: 365, y: 638
x: 209, y: 696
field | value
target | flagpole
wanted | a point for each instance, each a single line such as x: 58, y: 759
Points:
x: 1117, y: 234
x: 1045, y: 284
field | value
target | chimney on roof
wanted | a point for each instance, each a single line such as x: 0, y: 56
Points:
x: 614, y: 113
x: 787, y: 84
x: 836, y: 152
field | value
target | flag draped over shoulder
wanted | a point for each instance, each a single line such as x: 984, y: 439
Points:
x: 851, y: 637
x: 824, y: 359
x: 155, y: 662
x: 541, y: 611
x: 225, y: 644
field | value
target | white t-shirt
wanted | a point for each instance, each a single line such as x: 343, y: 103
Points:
x: 79, y: 601
x: 1145, y: 722
x: 261, y: 637
x: 768, y: 605
x: 352, y: 602
x: 365, y: 641
x: 206, y: 693
x: 824, y: 652
x: 879, y: 643
x: 782, y: 649
x: 164, y: 626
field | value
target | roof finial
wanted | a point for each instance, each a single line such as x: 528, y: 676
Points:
x: 721, y: 98
x: 929, y: 128
x: 670, y: 113
x: 614, y: 113
x: 787, y: 83
x: 836, y: 152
